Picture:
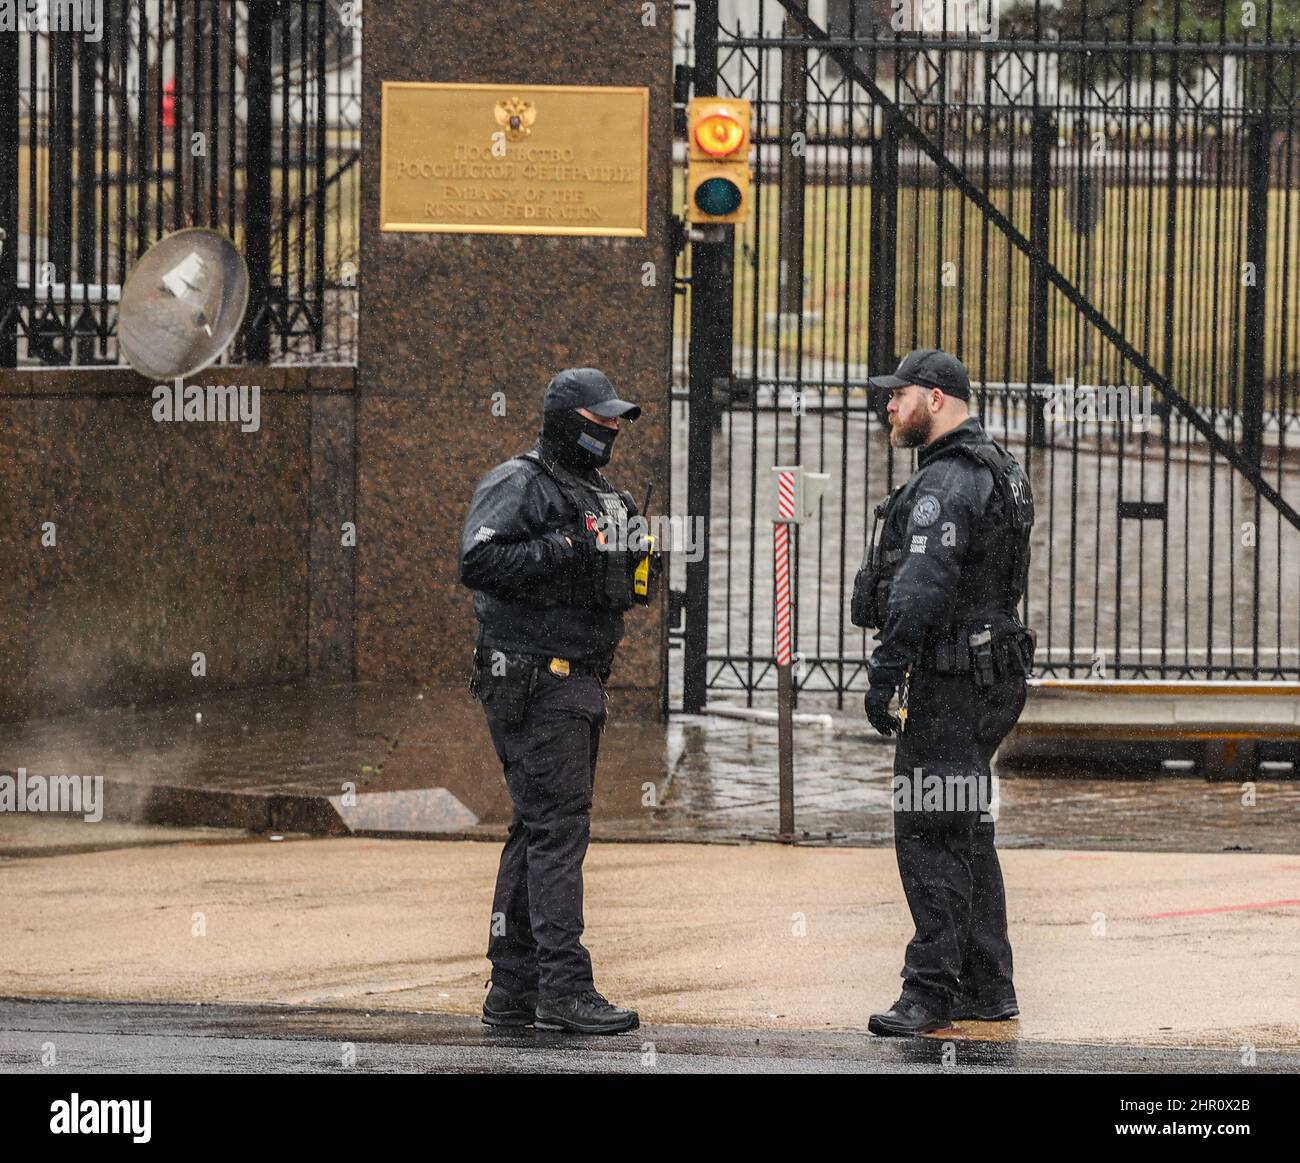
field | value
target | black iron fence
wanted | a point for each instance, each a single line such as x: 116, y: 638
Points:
x: 241, y: 115
x: 1091, y: 209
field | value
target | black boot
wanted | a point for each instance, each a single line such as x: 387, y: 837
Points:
x: 584, y: 1013
x: 974, y: 1009
x: 909, y: 1016
x: 501, y: 1008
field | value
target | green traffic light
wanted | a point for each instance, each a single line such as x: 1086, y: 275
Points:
x: 717, y: 197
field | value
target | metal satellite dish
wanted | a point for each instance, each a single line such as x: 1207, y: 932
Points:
x: 182, y: 304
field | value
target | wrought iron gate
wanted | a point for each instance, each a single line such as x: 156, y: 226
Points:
x: 1073, y: 204
x: 241, y: 115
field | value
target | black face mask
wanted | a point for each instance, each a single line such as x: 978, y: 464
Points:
x: 576, y: 442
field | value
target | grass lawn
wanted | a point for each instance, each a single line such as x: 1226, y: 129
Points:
x: 961, y: 285
x: 342, y: 206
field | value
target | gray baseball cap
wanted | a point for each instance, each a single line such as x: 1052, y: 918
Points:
x: 585, y: 387
x: 931, y: 368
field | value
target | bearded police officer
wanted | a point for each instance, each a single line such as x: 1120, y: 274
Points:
x: 941, y: 585
x: 546, y: 553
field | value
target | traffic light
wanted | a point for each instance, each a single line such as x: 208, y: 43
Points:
x: 717, y: 172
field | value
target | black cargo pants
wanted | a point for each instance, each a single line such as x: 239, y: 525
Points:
x: 549, y: 757
x: 944, y: 836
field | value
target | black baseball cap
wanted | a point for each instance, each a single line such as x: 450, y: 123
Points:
x: 585, y: 387
x: 931, y: 368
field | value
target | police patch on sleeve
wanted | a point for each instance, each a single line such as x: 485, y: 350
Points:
x: 926, y: 511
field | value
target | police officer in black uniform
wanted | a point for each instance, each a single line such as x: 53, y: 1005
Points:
x: 547, y: 553
x: 942, y: 585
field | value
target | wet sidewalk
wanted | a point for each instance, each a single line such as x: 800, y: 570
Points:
x: 401, y: 760
x: 1127, y: 949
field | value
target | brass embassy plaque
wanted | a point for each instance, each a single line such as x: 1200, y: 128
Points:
x: 514, y: 159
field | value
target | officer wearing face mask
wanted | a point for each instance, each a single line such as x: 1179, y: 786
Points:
x: 547, y: 551
x: 941, y: 585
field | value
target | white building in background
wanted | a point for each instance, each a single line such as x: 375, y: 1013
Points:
x: 962, y: 76
x: 145, y: 26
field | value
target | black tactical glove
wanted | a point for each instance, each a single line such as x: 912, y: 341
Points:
x: 877, y: 708
x: 584, y: 545
x: 587, y: 568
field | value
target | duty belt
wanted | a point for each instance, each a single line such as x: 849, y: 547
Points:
x: 951, y: 656
x: 1012, y: 653
x: 565, y: 667
x: 561, y: 667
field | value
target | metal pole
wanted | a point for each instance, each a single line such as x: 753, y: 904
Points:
x: 794, y: 89
x: 709, y: 357
x: 257, y: 212
x: 86, y: 188
x: 785, y: 680
x: 318, y: 223
x: 785, y: 748
x: 59, y: 173
x: 883, y: 250
x: 1252, y: 404
x: 1042, y: 141
x: 9, y: 136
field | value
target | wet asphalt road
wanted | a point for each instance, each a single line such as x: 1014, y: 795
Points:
x: 133, y: 1038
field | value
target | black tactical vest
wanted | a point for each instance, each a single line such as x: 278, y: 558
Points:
x: 603, y: 580
x: 871, y: 586
x: 996, y: 571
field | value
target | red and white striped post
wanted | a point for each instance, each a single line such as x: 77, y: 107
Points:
x: 786, y: 500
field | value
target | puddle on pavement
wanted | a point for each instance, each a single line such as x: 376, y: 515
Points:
x: 724, y: 786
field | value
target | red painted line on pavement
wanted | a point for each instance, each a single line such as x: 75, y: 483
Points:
x: 1223, y: 909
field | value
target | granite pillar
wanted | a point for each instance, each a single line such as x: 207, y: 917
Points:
x: 133, y: 544
x: 447, y: 320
